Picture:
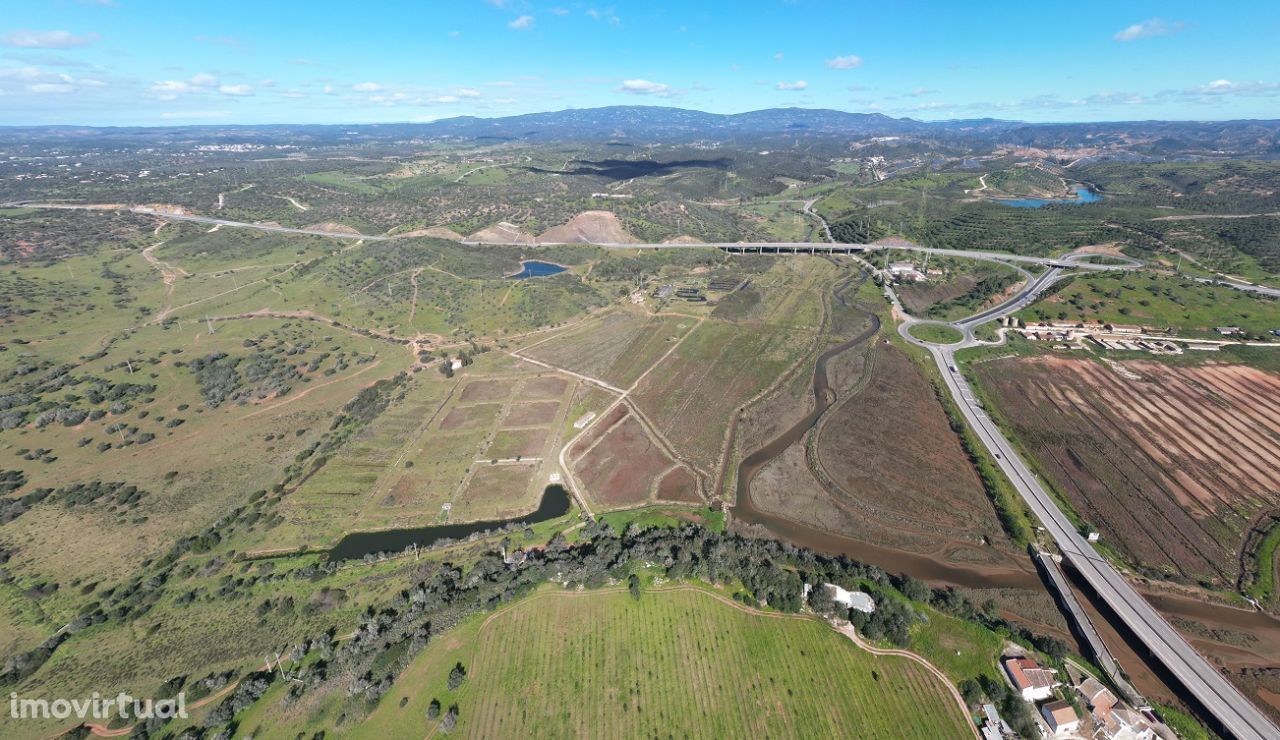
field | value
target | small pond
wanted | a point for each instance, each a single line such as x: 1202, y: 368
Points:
x: 536, y: 268
x: 1083, y: 195
x: 555, y: 503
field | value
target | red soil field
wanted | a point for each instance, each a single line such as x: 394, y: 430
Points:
x: 679, y: 485
x: 621, y: 469
x: 1170, y: 464
x: 538, y: 413
x: 599, y: 429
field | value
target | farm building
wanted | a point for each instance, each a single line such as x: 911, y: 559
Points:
x: 1061, y: 717
x: 852, y: 599
x: 905, y: 272
x: 1114, y: 720
x: 1099, y: 698
x: 1033, y: 681
x: 1228, y: 331
x: 995, y: 728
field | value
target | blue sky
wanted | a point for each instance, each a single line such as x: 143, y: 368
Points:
x: 154, y: 62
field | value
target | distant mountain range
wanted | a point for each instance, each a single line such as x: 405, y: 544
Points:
x: 637, y: 124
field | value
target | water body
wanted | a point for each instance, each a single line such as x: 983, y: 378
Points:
x: 1083, y: 195
x: 536, y: 268
x: 555, y: 503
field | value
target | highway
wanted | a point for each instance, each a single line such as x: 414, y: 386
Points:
x: 763, y: 247
x: 1235, y: 713
x: 1220, y: 698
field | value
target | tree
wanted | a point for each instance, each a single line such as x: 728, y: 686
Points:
x: 433, y: 709
x: 633, y: 585
x: 457, y: 676
x: 450, y: 719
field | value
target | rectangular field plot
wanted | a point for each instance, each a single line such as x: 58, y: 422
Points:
x: 616, y: 348
x: 1171, y: 464
x: 462, y: 418
x: 485, y: 390
x: 517, y: 443
x: 533, y: 414
x: 543, y: 387
x: 497, y: 491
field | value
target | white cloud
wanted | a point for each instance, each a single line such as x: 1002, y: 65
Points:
x: 523, y: 23
x: 1229, y: 87
x: 643, y: 87
x: 777, y: 57
x: 235, y: 90
x: 170, y: 89
x: 606, y: 15
x: 443, y: 99
x: 366, y: 87
x: 559, y: 11
x: 26, y: 39
x: 797, y: 85
x: 1148, y: 28
x: 467, y: 92
x: 849, y: 61
x: 921, y: 91
x: 51, y: 87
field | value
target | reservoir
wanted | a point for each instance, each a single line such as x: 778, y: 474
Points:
x: 1083, y: 195
x: 555, y: 503
x: 536, y: 268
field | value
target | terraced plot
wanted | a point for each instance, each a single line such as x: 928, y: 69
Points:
x: 437, y: 447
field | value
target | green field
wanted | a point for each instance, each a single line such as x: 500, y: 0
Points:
x: 1157, y: 302
x: 684, y: 662
x: 936, y: 333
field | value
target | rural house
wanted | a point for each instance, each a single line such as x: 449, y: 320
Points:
x: 1032, y: 681
x: 1061, y: 717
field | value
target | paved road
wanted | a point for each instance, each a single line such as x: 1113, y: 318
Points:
x: 1238, y: 285
x: 816, y: 247
x: 1219, y: 696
